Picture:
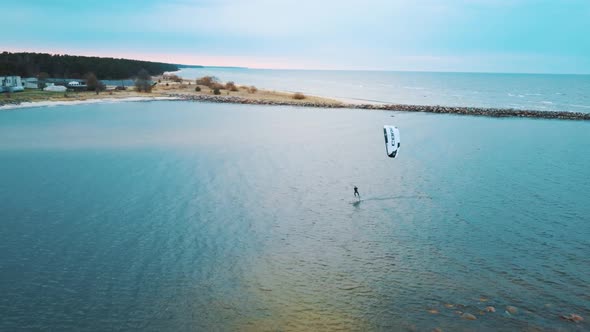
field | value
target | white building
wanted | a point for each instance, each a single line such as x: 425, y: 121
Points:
x: 76, y: 85
x: 55, y: 88
x: 10, y: 83
x: 30, y: 83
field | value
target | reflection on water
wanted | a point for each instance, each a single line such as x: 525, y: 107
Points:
x: 190, y: 216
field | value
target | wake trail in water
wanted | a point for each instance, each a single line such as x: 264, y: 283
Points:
x: 389, y: 198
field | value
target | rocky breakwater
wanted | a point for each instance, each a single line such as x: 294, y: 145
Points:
x: 472, y: 111
x: 480, y: 111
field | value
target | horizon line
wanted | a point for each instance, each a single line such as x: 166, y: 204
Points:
x: 139, y: 58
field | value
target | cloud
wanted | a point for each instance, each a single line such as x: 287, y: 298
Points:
x: 264, y: 18
x: 347, y: 34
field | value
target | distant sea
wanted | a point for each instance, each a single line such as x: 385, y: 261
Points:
x: 520, y: 91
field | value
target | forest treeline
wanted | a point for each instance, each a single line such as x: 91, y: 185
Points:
x: 72, y: 66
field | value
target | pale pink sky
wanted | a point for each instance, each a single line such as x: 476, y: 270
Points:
x: 192, y: 59
x: 531, y: 36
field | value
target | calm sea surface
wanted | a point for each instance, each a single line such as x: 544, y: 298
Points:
x: 521, y: 91
x: 180, y: 216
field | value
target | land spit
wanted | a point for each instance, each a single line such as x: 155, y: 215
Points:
x: 473, y: 111
x: 265, y: 97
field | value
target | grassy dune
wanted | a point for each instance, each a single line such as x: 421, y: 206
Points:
x: 162, y: 89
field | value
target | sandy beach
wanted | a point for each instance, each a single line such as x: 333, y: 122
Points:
x: 164, y: 90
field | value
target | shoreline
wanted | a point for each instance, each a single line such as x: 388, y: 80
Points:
x: 183, y: 91
x: 53, y: 103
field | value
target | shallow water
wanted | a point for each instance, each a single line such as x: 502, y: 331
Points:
x: 193, y: 216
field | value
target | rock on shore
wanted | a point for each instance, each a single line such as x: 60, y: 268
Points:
x: 468, y: 316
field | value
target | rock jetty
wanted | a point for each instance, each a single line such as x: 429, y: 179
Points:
x: 472, y: 111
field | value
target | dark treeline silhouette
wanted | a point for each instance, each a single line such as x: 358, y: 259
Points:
x: 71, y: 66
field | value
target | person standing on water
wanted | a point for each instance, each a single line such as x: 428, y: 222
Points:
x: 356, y: 192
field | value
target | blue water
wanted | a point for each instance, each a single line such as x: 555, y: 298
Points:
x: 521, y: 91
x: 179, y: 216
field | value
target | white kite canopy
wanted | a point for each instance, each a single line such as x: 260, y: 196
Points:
x: 392, y: 140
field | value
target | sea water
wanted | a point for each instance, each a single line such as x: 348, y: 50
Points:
x: 520, y: 91
x: 179, y: 216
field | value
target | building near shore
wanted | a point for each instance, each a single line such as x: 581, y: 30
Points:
x: 10, y: 84
x: 55, y: 88
x: 30, y: 83
x: 75, y: 85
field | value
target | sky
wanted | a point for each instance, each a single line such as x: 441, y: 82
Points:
x: 513, y: 36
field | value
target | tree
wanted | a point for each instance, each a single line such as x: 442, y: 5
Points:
x: 93, y: 83
x: 175, y: 78
x: 60, y: 66
x: 231, y: 86
x: 143, y: 81
x: 207, y: 81
x: 41, y: 80
x: 298, y: 95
